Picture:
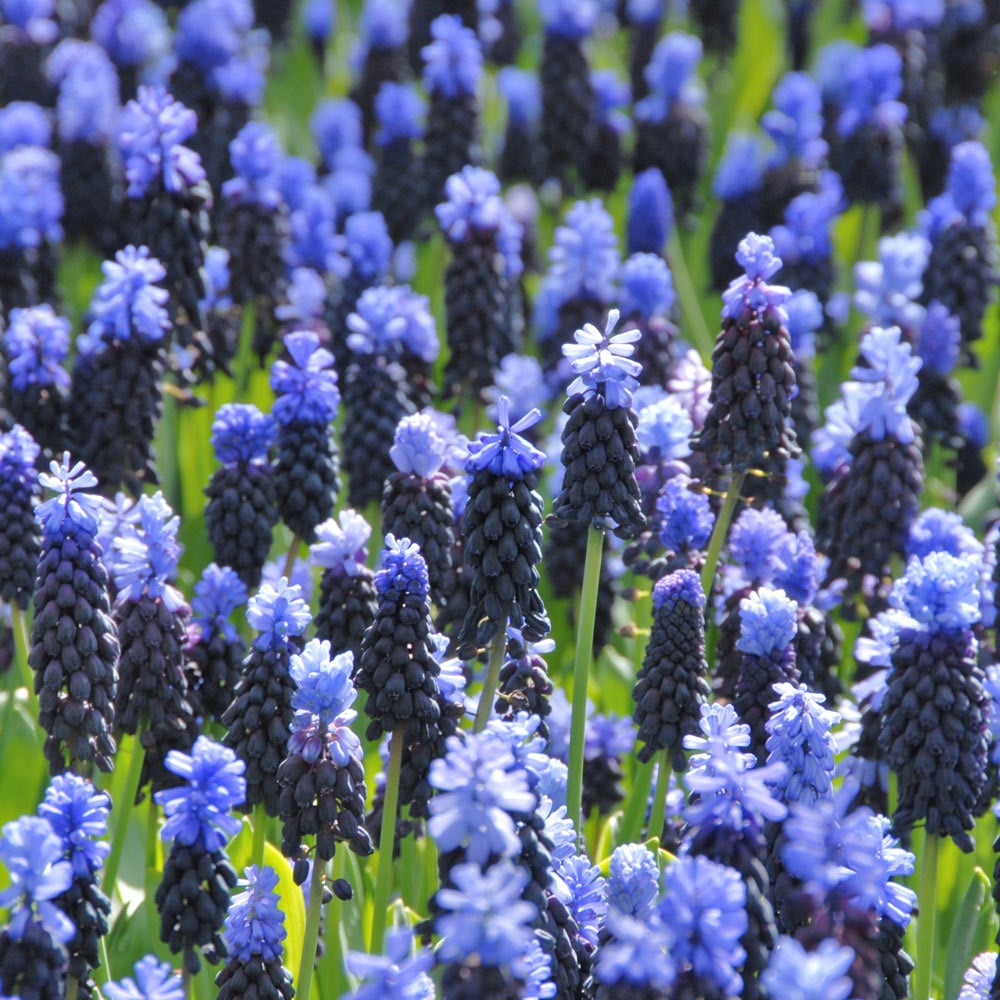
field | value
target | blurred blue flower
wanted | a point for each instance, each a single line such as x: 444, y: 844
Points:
x: 129, y: 302
x: 633, y: 880
x: 35, y: 345
x: 154, y: 980
x: 453, y: 61
x: 397, y: 975
x: 671, y: 75
x: 647, y: 286
x: 796, y: 974
x: 342, y: 543
x: 768, y: 622
x: 217, y: 595
x: 418, y: 448
x: 483, y: 915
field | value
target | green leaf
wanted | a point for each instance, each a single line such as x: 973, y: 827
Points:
x: 293, y: 905
x: 959, y: 953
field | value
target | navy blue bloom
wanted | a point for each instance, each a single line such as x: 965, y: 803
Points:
x: 199, y: 813
x: 151, y: 134
x: 506, y: 453
x: 154, y: 980
x: 255, y: 924
x: 453, y: 60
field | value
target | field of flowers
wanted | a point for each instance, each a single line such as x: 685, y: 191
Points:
x: 499, y: 499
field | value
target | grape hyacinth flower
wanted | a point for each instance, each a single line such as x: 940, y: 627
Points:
x: 869, y: 504
x: 214, y: 647
x: 259, y: 718
x: 481, y: 233
x: 416, y: 502
x: 937, y: 646
x: 523, y: 684
x: 397, y: 184
x: 166, y: 181
x: 567, y: 94
x: 767, y: 628
x: 753, y: 379
x: 152, y: 615
x: 242, y: 503
x: 486, y: 931
x: 397, y: 975
x: 193, y: 896
x: 253, y: 227
x: 963, y: 266
x: 814, y: 975
x: 868, y: 144
x: 382, y: 55
x: 30, y: 230
x: 87, y: 111
x: 305, y: 407
x: 393, y: 338
x: 254, y: 934
x: 647, y: 301
x: 452, y: 67
x: 398, y: 671
x: 602, y: 167
x: 153, y: 979
x: 33, y: 957
x: 671, y: 686
x: 117, y: 399
x: 608, y: 741
x: 19, y: 532
x: 519, y: 158
x: 368, y: 257
x: 347, y: 601
x: 35, y: 346
x: 322, y: 779
x: 600, y: 452
x: 136, y: 36
x: 650, y: 213
x: 671, y: 123
x: 501, y: 526
x: 74, y: 657
x: 78, y: 813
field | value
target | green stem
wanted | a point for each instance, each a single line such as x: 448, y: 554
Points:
x: 72, y: 988
x: 293, y: 551
x: 719, y: 532
x: 485, y: 710
x: 701, y: 336
x: 259, y: 835
x: 309, y: 942
x: 123, y: 810
x: 7, y: 722
x: 659, y: 807
x: 581, y: 672
x: 925, y: 923
x: 635, y: 811
x: 186, y: 982
x: 383, y: 878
